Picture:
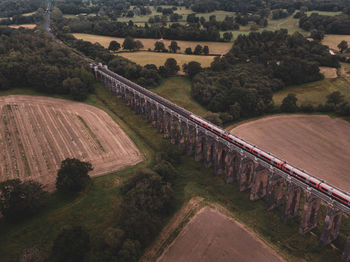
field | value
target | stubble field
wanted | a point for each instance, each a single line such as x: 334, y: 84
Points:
x: 37, y: 133
x: 319, y: 144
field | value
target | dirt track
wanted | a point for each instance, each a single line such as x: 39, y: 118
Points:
x: 37, y: 133
x: 211, y: 236
x: 317, y: 144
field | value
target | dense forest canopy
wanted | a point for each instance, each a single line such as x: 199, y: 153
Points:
x: 243, y: 81
x: 16, y: 7
x: 33, y: 60
x: 329, y: 24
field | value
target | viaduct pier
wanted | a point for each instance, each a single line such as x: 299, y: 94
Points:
x: 231, y: 162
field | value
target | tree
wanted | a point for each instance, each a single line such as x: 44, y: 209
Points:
x: 343, y: 45
x: 71, y: 245
x: 113, y: 237
x: 73, y: 175
x: 214, y: 118
x: 317, y: 35
x: 188, y: 51
x: 289, y: 104
x: 138, y: 45
x: 129, y: 43
x: 18, y: 200
x: 171, y: 67
x: 192, y: 68
x: 77, y: 89
x: 335, y: 98
x: 166, y: 170
x: 114, y: 46
x: 198, y: 50
x: 206, y: 50
x: 174, y: 47
x: 159, y: 46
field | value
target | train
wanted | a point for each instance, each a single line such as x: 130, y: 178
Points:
x: 311, y: 181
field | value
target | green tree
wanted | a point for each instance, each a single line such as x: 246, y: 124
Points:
x: 71, y: 245
x: 114, y: 237
x: 235, y: 111
x: 166, y: 170
x: 289, y: 104
x: 138, y: 45
x: 192, y: 68
x: 159, y: 46
x: 174, y: 47
x: 73, y: 175
x: 317, y: 34
x: 206, y: 50
x: 77, y: 89
x: 198, y: 50
x: 130, y: 251
x: 335, y: 98
x: 19, y: 200
x: 343, y: 45
x: 214, y: 118
x: 171, y: 67
x: 129, y: 43
x: 114, y: 46
x: 188, y: 51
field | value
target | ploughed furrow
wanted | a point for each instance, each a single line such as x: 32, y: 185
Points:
x: 6, y: 166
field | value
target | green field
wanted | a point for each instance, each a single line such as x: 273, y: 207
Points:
x: 178, y: 90
x: 97, y: 208
x: 315, y: 93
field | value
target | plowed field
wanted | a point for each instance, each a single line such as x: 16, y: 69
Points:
x: 37, y: 133
x: 317, y: 143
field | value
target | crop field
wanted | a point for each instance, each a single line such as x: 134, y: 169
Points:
x: 144, y: 57
x: 37, y: 133
x: 218, y: 242
x: 27, y: 26
x: 317, y: 143
x: 333, y: 40
x: 214, y: 47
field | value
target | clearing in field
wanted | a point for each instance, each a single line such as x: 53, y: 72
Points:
x: 220, y: 48
x: 212, y: 236
x: 144, y: 57
x: 319, y: 144
x: 37, y: 133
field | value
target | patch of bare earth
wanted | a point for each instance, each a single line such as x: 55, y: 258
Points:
x: 328, y: 72
x: 27, y: 26
x: 318, y: 144
x: 37, y: 133
x: 212, y: 236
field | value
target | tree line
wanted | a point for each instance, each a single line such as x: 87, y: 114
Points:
x: 33, y: 60
x: 339, y: 24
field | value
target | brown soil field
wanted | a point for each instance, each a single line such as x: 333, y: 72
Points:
x: 37, y: 133
x: 328, y: 72
x: 212, y: 236
x: 332, y: 41
x: 27, y: 26
x: 318, y: 144
x: 214, y: 47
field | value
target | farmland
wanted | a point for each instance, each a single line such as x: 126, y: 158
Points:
x: 333, y: 40
x: 144, y: 58
x: 37, y: 133
x: 318, y: 144
x: 214, y: 47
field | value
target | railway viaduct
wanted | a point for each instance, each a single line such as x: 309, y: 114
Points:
x: 232, y: 163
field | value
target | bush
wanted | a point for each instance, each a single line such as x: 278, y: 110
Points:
x: 166, y: 170
x: 307, y: 108
x: 19, y: 200
x: 70, y: 245
x: 289, y: 104
x: 73, y: 175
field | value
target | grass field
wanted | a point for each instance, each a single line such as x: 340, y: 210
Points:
x: 316, y: 92
x: 333, y: 40
x: 214, y: 47
x: 145, y: 57
x: 178, y: 90
x: 324, y: 13
x: 27, y: 26
x: 96, y: 209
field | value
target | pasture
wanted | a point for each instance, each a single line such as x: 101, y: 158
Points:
x: 214, y: 47
x: 37, y: 133
x: 318, y: 144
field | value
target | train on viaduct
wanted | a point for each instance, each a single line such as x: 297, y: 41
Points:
x: 236, y: 160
